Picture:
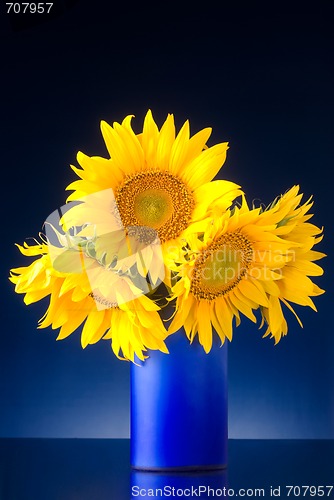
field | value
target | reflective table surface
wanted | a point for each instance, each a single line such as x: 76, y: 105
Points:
x: 99, y: 469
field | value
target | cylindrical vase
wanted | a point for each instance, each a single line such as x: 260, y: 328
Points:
x: 179, y: 407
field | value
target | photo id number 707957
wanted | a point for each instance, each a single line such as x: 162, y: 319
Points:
x: 29, y: 8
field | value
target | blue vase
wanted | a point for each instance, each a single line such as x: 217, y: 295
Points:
x: 179, y: 407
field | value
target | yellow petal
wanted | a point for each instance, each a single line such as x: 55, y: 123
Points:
x: 179, y: 150
x: 165, y: 143
x: 204, y: 326
x: 92, y: 323
x: 249, y: 289
x: 204, y: 168
x: 220, y: 192
x: 149, y: 140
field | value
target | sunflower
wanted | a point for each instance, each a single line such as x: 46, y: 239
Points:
x: 246, y: 259
x: 155, y: 184
x: 83, y: 290
x: 296, y: 285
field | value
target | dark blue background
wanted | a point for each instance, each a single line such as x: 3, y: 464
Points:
x: 262, y: 76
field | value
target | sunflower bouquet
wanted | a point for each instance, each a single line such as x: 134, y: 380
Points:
x: 148, y: 227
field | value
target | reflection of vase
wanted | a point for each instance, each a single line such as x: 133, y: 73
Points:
x: 179, y: 407
x: 187, y: 484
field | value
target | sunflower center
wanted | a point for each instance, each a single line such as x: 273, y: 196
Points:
x: 153, y: 207
x: 220, y: 267
x: 155, y: 199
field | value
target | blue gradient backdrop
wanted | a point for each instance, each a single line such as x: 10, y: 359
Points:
x: 263, y: 79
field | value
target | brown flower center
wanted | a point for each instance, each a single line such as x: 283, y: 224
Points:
x: 220, y: 267
x: 155, y: 199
